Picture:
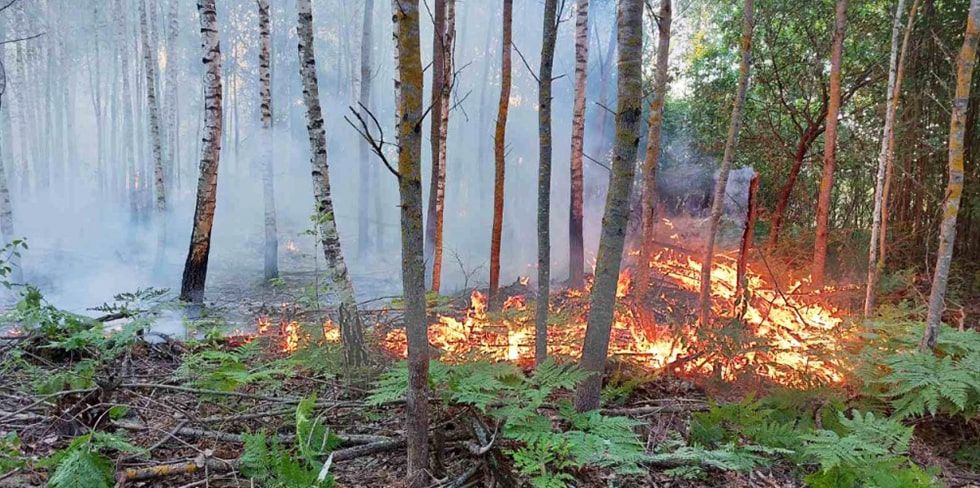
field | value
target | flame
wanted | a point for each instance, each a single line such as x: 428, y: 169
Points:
x: 291, y: 335
x: 788, y: 338
x: 291, y: 247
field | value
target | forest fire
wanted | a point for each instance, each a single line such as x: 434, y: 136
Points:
x: 782, y: 337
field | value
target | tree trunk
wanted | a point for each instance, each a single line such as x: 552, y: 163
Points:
x: 549, y: 34
x: 499, y: 148
x: 196, y: 266
x: 364, y: 102
x: 602, y: 301
x: 782, y: 201
x: 410, y: 92
x: 576, y: 241
x: 652, y: 157
x: 886, y: 159
x: 954, y: 190
x: 718, y: 202
x: 829, y: 149
x: 435, y: 135
x: 172, y: 122
x: 741, y: 298
x: 271, y: 266
x: 350, y: 332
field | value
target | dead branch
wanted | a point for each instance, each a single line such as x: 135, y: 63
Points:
x: 203, y: 461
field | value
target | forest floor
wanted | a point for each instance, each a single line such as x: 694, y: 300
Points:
x: 198, y: 401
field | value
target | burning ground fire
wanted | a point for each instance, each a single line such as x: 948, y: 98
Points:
x: 782, y: 336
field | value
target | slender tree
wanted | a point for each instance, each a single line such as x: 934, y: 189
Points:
x: 499, y: 151
x: 718, y: 199
x: 651, y: 160
x: 196, y: 266
x: 173, y: 109
x: 954, y: 189
x: 350, y: 326
x: 364, y: 101
x: 436, y: 183
x: 549, y: 33
x: 576, y: 241
x: 829, y: 148
x: 271, y: 266
x: 156, y: 139
x: 876, y: 247
x: 409, y: 96
x: 629, y: 113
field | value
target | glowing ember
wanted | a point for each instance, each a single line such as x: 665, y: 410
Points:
x: 786, y: 338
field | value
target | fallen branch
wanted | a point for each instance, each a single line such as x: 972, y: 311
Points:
x: 175, y: 469
x: 345, y: 439
x: 654, y: 409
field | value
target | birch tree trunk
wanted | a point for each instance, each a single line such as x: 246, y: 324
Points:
x: 829, y: 149
x: 196, y: 266
x: 718, y: 201
x: 873, y: 271
x: 879, y: 222
x: 271, y: 266
x: 409, y: 108
x: 576, y: 240
x: 350, y: 326
x: 499, y: 148
x: 602, y: 301
x: 652, y: 157
x: 172, y: 122
x: 435, y: 134
x: 549, y: 33
x: 954, y: 190
x: 448, y: 79
x: 149, y: 66
x: 364, y: 101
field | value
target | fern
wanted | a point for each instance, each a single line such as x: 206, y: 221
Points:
x: 270, y: 464
x: 922, y: 382
x: 84, y: 464
x: 229, y: 370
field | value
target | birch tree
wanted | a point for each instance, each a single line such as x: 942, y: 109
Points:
x: 499, y: 151
x: 652, y: 157
x: 156, y: 143
x: 576, y: 241
x: 409, y: 107
x: 954, y: 189
x: 271, y: 255
x: 350, y: 326
x: 629, y: 112
x: 876, y: 246
x: 173, y: 109
x: 718, y: 199
x: 196, y: 265
x: 364, y: 101
x: 433, y: 224
x: 829, y: 148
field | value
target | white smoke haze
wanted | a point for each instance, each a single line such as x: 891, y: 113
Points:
x: 86, y: 244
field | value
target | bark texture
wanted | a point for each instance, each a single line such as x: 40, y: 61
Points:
x: 549, y: 34
x: 718, y: 200
x: 576, y: 240
x: 437, y: 183
x: 409, y: 95
x: 156, y: 139
x: 954, y: 189
x: 651, y: 160
x: 602, y: 301
x: 271, y: 255
x: 196, y: 266
x: 364, y: 170
x: 499, y: 152
x: 351, y: 334
x: 879, y: 231
x: 829, y: 149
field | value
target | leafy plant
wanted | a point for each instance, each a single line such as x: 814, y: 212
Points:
x: 271, y: 464
x: 228, y: 370
x: 84, y: 463
x: 546, y: 452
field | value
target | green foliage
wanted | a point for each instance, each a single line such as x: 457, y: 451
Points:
x: 866, y: 451
x: 79, y: 376
x: 269, y: 463
x: 915, y: 383
x: 620, y: 387
x: 84, y: 463
x: 228, y: 370
x: 9, y: 254
x: 10, y: 454
x: 546, y: 451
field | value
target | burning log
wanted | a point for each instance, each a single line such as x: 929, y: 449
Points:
x: 743, y: 253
